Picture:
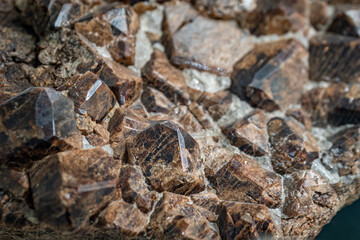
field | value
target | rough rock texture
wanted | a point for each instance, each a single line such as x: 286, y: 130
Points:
x: 310, y: 201
x: 249, y: 182
x: 293, y: 147
x: 301, y: 116
x: 186, y: 35
x: 270, y: 76
x: 35, y: 123
x: 334, y: 58
x: 169, y: 158
x: 250, y: 134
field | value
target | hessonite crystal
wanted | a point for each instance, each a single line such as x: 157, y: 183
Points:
x: 293, y: 148
x: 272, y: 75
x: 92, y: 96
x: 250, y: 134
x: 35, y: 123
x: 249, y: 182
x: 69, y: 187
x: 334, y: 58
x: 175, y: 217
x: 169, y: 158
x: 239, y: 220
x: 193, y: 41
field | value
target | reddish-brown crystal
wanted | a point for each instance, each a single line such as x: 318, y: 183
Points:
x: 272, y: 75
x: 243, y: 179
x: 169, y: 158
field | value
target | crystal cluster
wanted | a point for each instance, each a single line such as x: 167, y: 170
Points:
x: 209, y: 119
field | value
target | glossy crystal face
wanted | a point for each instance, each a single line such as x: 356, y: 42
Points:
x: 209, y: 119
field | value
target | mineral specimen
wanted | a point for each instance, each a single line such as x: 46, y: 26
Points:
x: 182, y: 119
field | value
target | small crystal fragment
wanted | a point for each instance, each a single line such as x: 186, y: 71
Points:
x: 92, y: 96
x: 293, y: 148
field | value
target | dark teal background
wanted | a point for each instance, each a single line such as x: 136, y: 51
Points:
x: 345, y: 225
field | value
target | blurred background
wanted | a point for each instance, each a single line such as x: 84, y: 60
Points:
x: 345, y: 225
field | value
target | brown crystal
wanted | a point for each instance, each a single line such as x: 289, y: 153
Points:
x: 155, y: 101
x: 169, y: 158
x: 123, y: 219
x: 192, y: 41
x: 345, y: 150
x: 293, y: 148
x: 125, y: 84
x: 347, y: 23
x: 92, y: 96
x: 272, y: 75
x: 301, y: 116
x: 318, y: 13
x: 175, y: 217
x: 250, y: 134
x: 246, y: 221
x: 319, y: 102
x: 160, y: 74
x: 35, y: 123
x: 13, y: 80
x: 334, y: 58
x: 115, y: 30
x: 69, y: 187
x: 276, y: 17
x: 249, y: 182
x: 310, y: 203
x: 134, y: 188
x: 347, y: 108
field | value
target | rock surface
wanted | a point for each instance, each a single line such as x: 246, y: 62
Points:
x: 209, y: 119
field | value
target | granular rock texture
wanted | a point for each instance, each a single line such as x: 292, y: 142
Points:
x: 177, y: 119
